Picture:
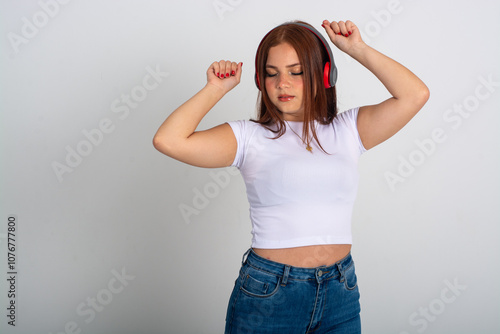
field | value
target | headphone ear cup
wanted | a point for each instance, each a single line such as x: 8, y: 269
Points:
x: 326, y: 75
x: 257, y: 82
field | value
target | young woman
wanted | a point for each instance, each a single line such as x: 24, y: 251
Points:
x: 299, y: 163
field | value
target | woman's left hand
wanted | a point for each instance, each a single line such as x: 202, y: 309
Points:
x: 345, y: 35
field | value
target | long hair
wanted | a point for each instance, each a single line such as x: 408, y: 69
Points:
x: 320, y: 103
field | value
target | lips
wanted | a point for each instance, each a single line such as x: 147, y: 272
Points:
x: 285, y: 98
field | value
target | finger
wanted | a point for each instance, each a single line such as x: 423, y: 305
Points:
x: 350, y: 26
x: 229, y: 68
x: 239, y: 70
x: 214, y: 69
x: 329, y: 31
x: 234, y: 67
x: 343, y: 29
x: 222, y: 69
x: 335, y: 27
x: 222, y: 65
x: 332, y: 29
x: 218, y: 67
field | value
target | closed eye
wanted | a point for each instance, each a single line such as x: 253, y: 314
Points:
x: 292, y: 73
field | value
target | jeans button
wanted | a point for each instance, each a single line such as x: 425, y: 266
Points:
x: 320, y: 273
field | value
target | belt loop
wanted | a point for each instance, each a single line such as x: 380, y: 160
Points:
x: 286, y: 272
x: 243, y: 259
x: 341, y: 272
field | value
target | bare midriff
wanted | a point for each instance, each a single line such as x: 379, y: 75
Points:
x: 306, y: 256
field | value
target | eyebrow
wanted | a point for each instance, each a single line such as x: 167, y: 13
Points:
x: 275, y: 67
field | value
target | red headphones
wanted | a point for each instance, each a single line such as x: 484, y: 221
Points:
x: 329, y: 71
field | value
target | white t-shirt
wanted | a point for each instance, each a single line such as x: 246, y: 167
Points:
x: 298, y: 198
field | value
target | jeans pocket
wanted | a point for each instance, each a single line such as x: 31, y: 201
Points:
x: 350, y: 279
x: 258, y: 283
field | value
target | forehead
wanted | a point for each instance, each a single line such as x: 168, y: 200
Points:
x: 282, y: 55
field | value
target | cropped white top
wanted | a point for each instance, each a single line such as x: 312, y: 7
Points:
x: 298, y: 198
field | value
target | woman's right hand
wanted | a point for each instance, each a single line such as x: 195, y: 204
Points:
x: 213, y: 148
x: 224, y: 74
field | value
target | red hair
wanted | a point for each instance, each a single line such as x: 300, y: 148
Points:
x: 320, y: 103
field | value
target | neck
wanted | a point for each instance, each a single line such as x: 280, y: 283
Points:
x: 299, y: 117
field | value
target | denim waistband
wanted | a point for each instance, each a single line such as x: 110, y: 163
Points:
x: 298, y: 273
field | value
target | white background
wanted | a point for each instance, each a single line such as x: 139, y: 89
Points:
x: 118, y: 209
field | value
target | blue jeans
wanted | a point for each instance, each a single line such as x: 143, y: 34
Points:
x: 270, y: 297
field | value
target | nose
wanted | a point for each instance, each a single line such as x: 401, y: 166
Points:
x: 283, y: 81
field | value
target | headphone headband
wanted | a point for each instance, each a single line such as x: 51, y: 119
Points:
x: 330, y: 70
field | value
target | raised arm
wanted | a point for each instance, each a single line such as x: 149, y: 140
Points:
x: 379, y: 122
x: 177, y: 136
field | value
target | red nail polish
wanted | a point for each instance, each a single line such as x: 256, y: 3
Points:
x: 346, y: 35
x: 233, y: 73
x: 227, y: 75
x: 218, y: 74
x: 350, y: 32
x: 339, y: 33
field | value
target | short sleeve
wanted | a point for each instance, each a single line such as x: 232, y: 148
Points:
x: 239, y: 128
x: 349, y: 119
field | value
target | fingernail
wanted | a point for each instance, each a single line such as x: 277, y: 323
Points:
x: 227, y: 75
x: 233, y: 73
x: 350, y: 32
x: 346, y: 35
x: 339, y: 33
x: 218, y: 74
